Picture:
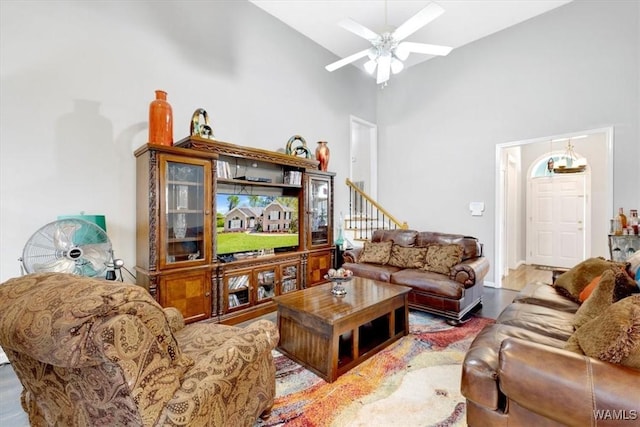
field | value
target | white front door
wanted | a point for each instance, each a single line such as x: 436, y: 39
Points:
x: 556, y: 215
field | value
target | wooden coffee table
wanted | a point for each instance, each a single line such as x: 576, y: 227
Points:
x: 331, y: 334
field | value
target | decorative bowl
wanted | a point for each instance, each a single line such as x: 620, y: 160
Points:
x: 338, y: 284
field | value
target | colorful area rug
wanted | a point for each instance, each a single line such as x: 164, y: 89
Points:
x: 413, y: 382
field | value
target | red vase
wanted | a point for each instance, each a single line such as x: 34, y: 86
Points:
x: 322, y: 155
x: 160, y: 120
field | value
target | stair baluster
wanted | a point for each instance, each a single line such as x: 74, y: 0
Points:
x: 366, y: 215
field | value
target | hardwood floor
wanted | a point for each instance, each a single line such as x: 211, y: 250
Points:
x: 11, y: 413
x: 516, y: 279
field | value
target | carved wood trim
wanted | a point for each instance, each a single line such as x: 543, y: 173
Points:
x: 228, y: 149
x: 153, y: 211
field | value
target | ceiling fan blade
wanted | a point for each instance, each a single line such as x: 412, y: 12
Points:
x: 429, y: 49
x: 348, y: 60
x: 358, y: 29
x: 384, y: 68
x: 417, y: 21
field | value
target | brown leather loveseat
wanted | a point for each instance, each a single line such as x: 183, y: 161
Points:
x: 448, y: 282
x: 538, y: 366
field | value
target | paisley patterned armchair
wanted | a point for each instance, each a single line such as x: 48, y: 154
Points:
x: 90, y: 352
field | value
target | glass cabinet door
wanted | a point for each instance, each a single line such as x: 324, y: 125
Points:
x: 289, y: 282
x: 185, y: 204
x: 265, y: 284
x: 320, y: 214
x: 238, y: 287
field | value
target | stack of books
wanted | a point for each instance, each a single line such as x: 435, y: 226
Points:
x: 223, y: 169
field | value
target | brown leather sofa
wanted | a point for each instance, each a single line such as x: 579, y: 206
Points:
x: 517, y: 372
x: 452, y: 296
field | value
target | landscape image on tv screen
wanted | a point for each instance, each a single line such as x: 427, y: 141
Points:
x: 249, y: 223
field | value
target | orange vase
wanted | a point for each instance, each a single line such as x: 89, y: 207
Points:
x: 322, y: 155
x: 160, y: 120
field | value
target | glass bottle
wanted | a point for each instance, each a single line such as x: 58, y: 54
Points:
x: 617, y: 227
x: 633, y: 220
x: 340, y: 239
x: 623, y: 218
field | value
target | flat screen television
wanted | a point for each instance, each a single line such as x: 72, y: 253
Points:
x: 252, y: 223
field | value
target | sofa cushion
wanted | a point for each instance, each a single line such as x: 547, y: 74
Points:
x: 404, y: 257
x: 376, y: 253
x: 440, y: 258
x: 429, y: 282
x: 613, y: 286
x: 539, y: 293
x: 471, y: 246
x: 406, y: 238
x: 543, y: 320
x: 614, y: 336
x: 572, y: 282
x: 371, y: 271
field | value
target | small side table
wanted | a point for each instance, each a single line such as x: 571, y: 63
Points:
x: 621, y: 247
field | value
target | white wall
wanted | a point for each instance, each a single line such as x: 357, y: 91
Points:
x: 573, y: 68
x: 76, y: 79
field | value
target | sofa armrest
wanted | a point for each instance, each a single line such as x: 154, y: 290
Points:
x: 470, y: 271
x: 566, y: 387
x: 174, y: 318
x: 351, y: 255
x: 229, y: 380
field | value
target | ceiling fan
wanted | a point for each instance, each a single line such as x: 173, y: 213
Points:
x: 388, y: 49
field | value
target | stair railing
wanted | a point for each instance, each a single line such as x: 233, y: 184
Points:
x: 366, y: 215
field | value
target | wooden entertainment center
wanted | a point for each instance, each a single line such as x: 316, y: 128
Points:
x: 178, y: 228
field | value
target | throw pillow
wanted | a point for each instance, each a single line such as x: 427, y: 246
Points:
x: 586, y: 292
x: 572, y: 282
x: 376, y: 253
x: 573, y: 345
x: 407, y: 257
x: 613, y: 286
x: 440, y: 258
x: 615, y: 335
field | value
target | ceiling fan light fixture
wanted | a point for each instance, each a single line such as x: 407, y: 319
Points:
x: 401, y: 52
x: 396, y: 66
x: 370, y: 66
x: 388, y: 50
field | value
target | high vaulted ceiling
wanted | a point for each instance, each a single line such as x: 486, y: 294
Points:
x: 463, y: 21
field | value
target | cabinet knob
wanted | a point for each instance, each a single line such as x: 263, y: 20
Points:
x: 207, y: 212
x: 206, y: 294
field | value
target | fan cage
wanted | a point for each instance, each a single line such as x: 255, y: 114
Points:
x: 68, y: 245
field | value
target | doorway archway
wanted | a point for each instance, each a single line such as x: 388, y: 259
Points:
x: 597, y: 147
